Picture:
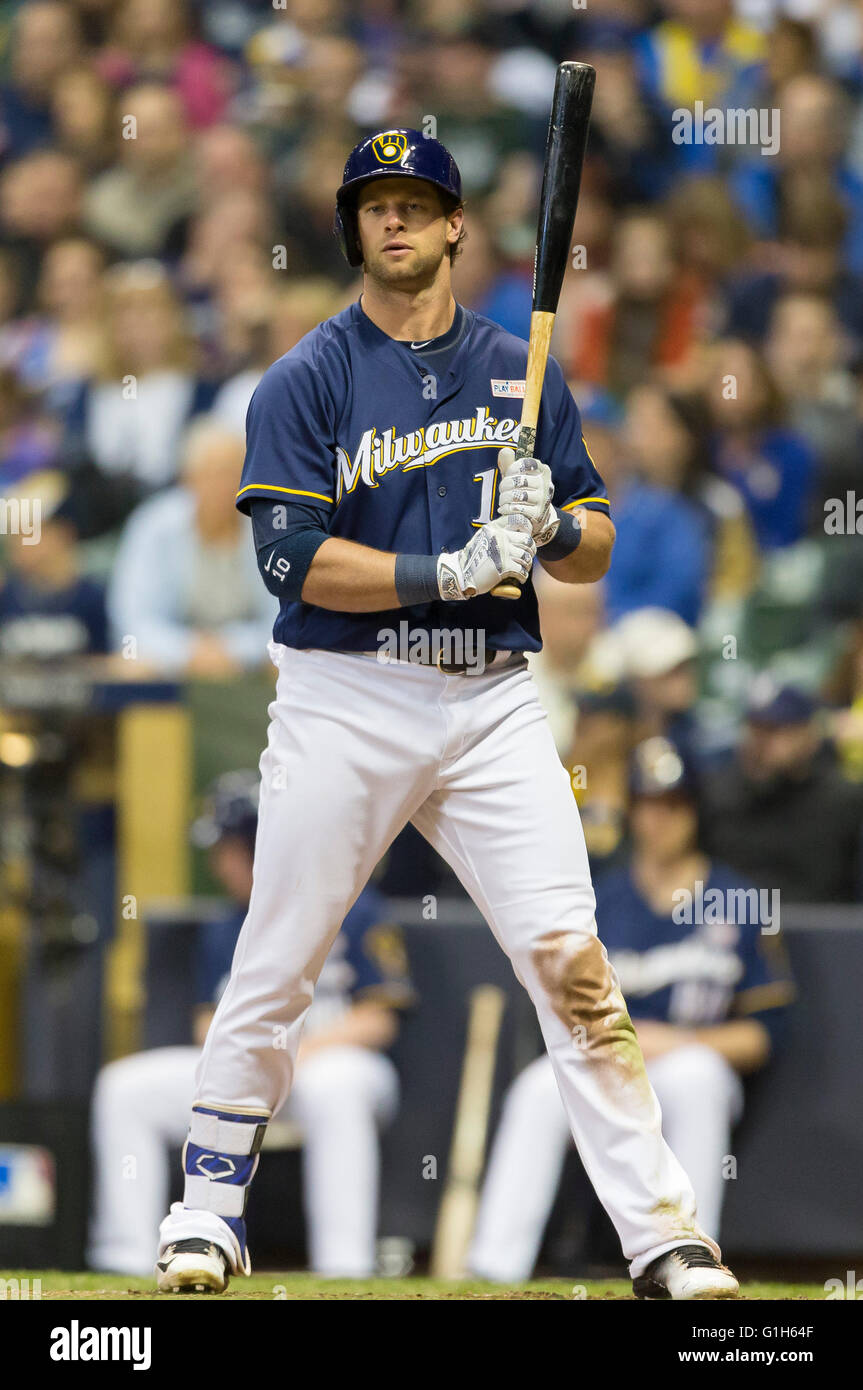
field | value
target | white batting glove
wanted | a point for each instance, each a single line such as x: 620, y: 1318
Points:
x: 502, y: 549
x: 526, y: 490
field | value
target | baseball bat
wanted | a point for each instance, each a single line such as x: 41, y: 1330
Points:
x: 460, y: 1200
x: 561, y: 180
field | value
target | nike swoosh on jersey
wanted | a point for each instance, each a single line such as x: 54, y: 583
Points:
x: 425, y: 344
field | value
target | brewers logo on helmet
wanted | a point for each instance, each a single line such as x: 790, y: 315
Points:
x: 406, y: 153
x: 390, y: 146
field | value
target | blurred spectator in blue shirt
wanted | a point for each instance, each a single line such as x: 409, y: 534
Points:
x: 700, y: 52
x: 662, y: 555
x: 808, y: 354
x: 29, y: 436
x: 629, y: 135
x: 811, y: 157
x: 61, y: 345
x: 185, y: 587
x: 45, y: 41
x: 48, y: 610
x: 300, y: 307
x: 808, y: 260
x: 770, y: 464
x: 40, y: 201
x: 129, y: 418
x: 483, y: 283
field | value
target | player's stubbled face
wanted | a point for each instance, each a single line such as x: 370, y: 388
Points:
x: 403, y: 231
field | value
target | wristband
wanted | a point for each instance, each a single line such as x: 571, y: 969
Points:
x: 567, y: 539
x: 416, y: 579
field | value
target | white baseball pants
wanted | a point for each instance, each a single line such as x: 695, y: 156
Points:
x: 342, y: 1095
x: 356, y: 748
x: 701, y: 1098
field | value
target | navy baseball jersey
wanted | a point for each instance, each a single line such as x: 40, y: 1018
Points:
x: 399, y: 453
x: 689, y: 974
x: 367, y: 960
x: 40, y: 622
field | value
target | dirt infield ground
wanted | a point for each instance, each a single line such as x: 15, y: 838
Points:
x: 54, y: 1284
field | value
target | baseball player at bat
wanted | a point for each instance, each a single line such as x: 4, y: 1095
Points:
x: 373, y: 479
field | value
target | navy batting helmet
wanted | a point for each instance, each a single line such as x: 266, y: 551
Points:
x: 230, y: 808
x: 406, y: 153
x: 660, y: 768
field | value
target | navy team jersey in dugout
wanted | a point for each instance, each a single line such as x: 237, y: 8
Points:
x: 693, y: 974
x: 353, y: 424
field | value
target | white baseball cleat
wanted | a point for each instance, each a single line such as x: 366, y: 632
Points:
x: 690, y: 1271
x: 192, y: 1266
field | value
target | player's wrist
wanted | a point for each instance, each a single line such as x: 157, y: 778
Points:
x: 565, y: 538
x: 416, y: 579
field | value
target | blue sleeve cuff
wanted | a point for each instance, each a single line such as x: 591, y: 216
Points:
x: 285, y: 553
x: 567, y: 540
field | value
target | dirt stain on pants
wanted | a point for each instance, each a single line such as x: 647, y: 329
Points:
x: 584, y: 993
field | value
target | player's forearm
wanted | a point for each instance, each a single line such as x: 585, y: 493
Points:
x: 743, y: 1042
x: 351, y: 578
x: 590, y: 561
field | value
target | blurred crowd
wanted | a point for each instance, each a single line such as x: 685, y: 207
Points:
x: 167, y: 180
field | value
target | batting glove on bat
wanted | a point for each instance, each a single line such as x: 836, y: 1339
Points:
x: 502, y: 549
x: 526, y: 490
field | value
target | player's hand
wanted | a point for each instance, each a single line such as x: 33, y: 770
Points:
x: 502, y: 549
x: 526, y: 489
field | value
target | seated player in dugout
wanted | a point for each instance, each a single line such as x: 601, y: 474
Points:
x: 707, y: 984
x: 345, y: 1090
x: 386, y: 496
